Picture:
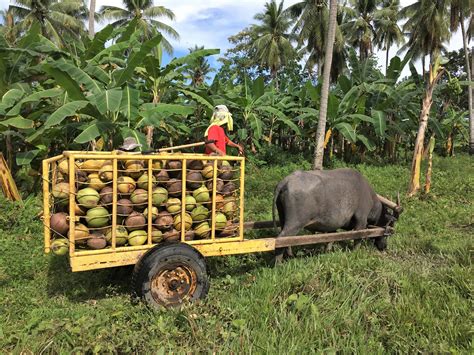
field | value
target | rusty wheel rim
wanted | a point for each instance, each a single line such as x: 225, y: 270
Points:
x: 173, y: 284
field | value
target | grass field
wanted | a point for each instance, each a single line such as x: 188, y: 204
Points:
x: 416, y: 297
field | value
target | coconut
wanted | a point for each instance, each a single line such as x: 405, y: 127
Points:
x: 59, y: 223
x: 194, y: 164
x: 171, y: 235
x: 126, y: 185
x: 173, y: 205
x: 202, y: 230
x: 96, y: 241
x: 92, y: 165
x: 189, y: 235
x: 139, y: 197
x: 199, y: 214
x: 106, y: 172
x: 162, y: 176
x: 228, y: 189
x: 61, y: 191
x: 164, y: 220
x: 156, y: 235
x: 219, y: 185
x: 220, y: 221
x: 174, y: 165
x: 142, y: 182
x: 174, y: 187
x: 121, y: 236
x: 157, y: 165
x: 208, y: 171
x: 201, y: 195
x: 219, y: 202
x: 226, y: 173
x: 95, y: 182
x: 224, y: 163
x: 106, y: 195
x: 81, y: 234
x: 134, y: 163
x: 63, y: 167
x: 229, y: 230
x: 137, y: 237
x: 134, y: 168
x: 97, y: 217
x: 135, y: 221
x: 79, y: 211
x: 154, y: 212
x: 81, y: 178
x: 59, y: 247
x: 159, y: 195
x: 194, y: 179
x: 229, y: 208
x: 88, y: 197
x: 124, y: 207
x: 190, y: 203
x: 188, y: 221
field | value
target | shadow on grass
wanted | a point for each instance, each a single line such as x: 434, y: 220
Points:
x: 87, y: 285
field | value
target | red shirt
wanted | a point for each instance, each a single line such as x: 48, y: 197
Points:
x: 217, y: 133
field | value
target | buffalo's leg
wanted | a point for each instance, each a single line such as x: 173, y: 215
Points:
x: 287, y: 230
x: 381, y: 243
x: 361, y: 223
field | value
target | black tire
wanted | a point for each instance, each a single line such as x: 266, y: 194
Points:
x: 381, y: 243
x: 169, y: 275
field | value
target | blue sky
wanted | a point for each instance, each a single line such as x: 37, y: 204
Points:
x: 211, y: 22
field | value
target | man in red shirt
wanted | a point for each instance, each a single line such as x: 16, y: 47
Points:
x: 215, y: 132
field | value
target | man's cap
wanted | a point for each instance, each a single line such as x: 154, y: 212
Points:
x: 129, y: 143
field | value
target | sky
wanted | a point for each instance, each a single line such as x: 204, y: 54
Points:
x: 209, y: 23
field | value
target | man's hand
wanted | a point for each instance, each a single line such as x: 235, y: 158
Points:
x: 241, y: 149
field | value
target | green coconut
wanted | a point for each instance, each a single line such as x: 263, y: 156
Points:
x: 190, y: 203
x: 61, y: 191
x: 156, y: 235
x: 208, y: 171
x: 139, y: 197
x: 188, y: 222
x: 59, y: 247
x: 138, y: 237
x: 229, y: 208
x: 88, y: 197
x: 202, y: 230
x: 199, y: 214
x: 121, y: 236
x: 142, y: 181
x: 154, y: 212
x: 97, y: 217
x: 201, y: 195
x: 173, y: 205
x: 220, y: 221
x: 159, y: 195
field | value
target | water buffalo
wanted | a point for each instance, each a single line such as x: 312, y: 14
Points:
x: 324, y: 201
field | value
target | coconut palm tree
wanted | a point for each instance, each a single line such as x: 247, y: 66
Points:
x: 91, y: 18
x: 273, y: 44
x: 6, y: 26
x: 387, y: 30
x: 321, y: 130
x: 146, y: 14
x: 460, y: 11
x: 198, y: 71
x: 56, y: 18
x: 359, y: 28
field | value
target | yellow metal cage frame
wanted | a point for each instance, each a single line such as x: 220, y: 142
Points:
x: 81, y: 260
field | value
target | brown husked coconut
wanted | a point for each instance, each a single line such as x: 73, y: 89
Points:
x: 164, y: 221
x: 162, y: 176
x: 106, y: 195
x: 124, y: 207
x: 79, y: 211
x: 174, y: 187
x: 139, y: 198
x: 229, y: 230
x: 59, y: 223
x: 96, y: 241
x: 219, y: 185
x: 219, y: 202
x: 174, y: 168
x: 228, y: 189
x: 226, y: 172
x: 171, y: 235
x: 194, y: 164
x: 81, y: 179
x: 189, y: 235
x: 135, y: 221
x: 81, y: 234
x: 194, y: 179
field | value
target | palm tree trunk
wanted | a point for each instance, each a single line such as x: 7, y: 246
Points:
x: 469, y: 88
x: 386, y: 59
x: 420, y: 137
x: 91, y: 18
x: 320, y: 133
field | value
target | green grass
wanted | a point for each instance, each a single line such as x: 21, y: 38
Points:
x: 416, y: 297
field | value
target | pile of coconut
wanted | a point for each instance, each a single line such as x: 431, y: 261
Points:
x: 93, y: 205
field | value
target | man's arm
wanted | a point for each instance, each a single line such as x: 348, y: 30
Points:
x: 214, y: 149
x: 234, y: 145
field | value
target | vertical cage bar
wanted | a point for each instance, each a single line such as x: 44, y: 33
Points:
x: 183, y: 199
x: 46, y: 210
x: 150, y: 202
x: 213, y: 206
x: 72, y: 204
x: 241, y: 202
x: 114, y: 202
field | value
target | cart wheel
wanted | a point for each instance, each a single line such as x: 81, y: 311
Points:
x: 170, y: 275
x: 381, y: 243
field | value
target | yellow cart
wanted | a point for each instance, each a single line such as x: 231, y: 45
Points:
x: 169, y: 271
